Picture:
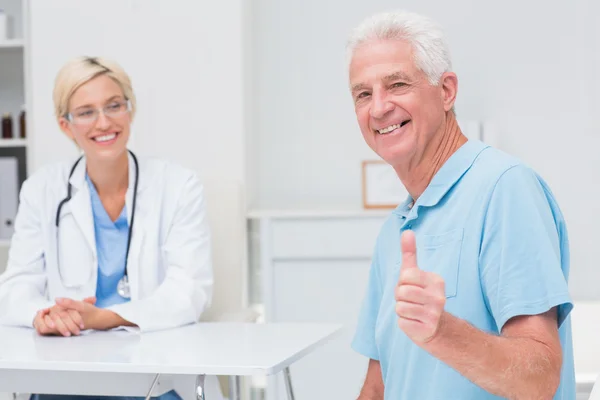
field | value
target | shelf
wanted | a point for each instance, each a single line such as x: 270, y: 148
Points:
x: 12, y: 44
x: 13, y: 142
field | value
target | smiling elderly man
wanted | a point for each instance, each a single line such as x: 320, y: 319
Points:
x: 467, y: 295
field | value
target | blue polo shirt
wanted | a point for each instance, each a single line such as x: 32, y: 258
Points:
x: 491, y: 228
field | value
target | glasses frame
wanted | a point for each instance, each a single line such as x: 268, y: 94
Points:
x: 69, y: 116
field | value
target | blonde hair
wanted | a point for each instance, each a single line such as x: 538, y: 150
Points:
x: 81, y: 70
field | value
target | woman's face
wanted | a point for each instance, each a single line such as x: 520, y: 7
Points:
x: 99, y: 119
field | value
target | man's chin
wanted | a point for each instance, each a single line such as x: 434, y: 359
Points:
x: 394, y: 158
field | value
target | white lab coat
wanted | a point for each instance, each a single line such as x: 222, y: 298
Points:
x: 169, y: 263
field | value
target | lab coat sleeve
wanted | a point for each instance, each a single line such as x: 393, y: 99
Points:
x: 23, y: 284
x: 187, y: 288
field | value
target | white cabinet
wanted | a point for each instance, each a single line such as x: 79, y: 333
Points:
x: 314, y: 268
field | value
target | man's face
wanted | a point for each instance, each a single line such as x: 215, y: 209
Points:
x: 397, y: 109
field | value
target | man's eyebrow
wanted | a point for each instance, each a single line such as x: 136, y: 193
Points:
x: 388, y: 78
x: 359, y: 86
x: 397, y: 76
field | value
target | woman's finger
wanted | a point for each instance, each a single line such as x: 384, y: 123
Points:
x: 73, y: 327
x: 60, y: 325
x: 50, y: 327
x: 39, y: 324
x: 76, y: 318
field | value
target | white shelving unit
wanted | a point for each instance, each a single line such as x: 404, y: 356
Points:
x: 12, y: 58
x: 13, y: 142
x: 12, y: 44
x: 13, y: 94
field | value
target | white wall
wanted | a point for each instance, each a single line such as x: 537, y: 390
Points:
x: 526, y: 68
x: 187, y: 83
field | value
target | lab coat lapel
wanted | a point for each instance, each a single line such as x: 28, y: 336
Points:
x: 80, y: 206
x: 138, y: 231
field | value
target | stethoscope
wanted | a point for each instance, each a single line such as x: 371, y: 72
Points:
x: 123, y: 288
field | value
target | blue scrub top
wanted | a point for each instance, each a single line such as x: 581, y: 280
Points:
x: 111, y: 246
x: 491, y: 228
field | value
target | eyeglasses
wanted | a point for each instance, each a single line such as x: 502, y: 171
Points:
x: 88, y: 116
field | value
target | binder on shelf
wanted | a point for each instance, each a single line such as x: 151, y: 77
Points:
x: 9, y: 195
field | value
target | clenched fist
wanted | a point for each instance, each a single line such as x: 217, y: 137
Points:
x: 420, y: 295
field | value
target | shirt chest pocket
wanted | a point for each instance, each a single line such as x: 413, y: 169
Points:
x: 440, y: 253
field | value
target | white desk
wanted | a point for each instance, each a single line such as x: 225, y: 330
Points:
x: 126, y: 364
x: 595, y: 394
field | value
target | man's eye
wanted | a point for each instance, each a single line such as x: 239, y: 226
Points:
x: 398, y: 84
x: 362, y: 95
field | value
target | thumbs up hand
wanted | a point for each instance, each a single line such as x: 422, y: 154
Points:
x: 420, y: 295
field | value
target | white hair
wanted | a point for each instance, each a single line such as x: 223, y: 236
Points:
x: 426, y: 37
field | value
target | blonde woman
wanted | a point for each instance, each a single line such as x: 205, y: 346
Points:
x: 106, y: 240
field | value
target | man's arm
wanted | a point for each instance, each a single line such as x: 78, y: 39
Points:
x: 373, y: 386
x: 523, y: 363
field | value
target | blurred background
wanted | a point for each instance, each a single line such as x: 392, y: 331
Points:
x: 253, y: 95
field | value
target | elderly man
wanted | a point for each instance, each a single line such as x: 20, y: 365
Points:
x: 467, y: 295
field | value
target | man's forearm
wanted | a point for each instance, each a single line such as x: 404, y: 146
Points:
x: 363, y: 396
x: 373, y: 388
x: 514, y: 368
x: 369, y: 393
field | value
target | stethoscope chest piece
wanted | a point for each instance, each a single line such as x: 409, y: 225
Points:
x: 123, y: 288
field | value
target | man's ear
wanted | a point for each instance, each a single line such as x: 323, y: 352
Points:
x: 449, y: 85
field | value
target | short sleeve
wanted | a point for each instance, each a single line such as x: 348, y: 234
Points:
x: 524, y: 259
x: 364, y: 337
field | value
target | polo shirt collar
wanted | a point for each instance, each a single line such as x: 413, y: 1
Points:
x: 447, y: 176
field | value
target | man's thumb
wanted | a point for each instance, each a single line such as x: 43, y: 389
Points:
x: 408, y: 245
x: 90, y: 300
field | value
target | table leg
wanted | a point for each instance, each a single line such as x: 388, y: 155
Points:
x: 200, y: 387
x: 287, y: 377
x: 234, y: 388
x: 154, y: 382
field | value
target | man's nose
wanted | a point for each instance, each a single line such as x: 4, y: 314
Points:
x: 380, y: 105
